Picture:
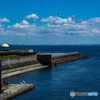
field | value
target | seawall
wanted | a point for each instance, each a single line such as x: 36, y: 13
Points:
x: 56, y: 59
x: 21, y: 53
x: 14, y: 90
x: 19, y: 65
x: 16, y: 62
x: 23, y: 64
x: 21, y: 70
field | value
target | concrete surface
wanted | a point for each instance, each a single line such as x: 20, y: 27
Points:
x: 58, y: 54
x: 16, y: 71
x: 14, y: 90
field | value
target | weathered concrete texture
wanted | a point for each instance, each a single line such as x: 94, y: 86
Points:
x: 10, y: 63
x: 20, y: 70
x: 18, y: 50
x: 18, y: 65
x: 55, y: 59
x: 14, y: 90
x: 58, y: 54
x: 21, y: 53
x: 58, y: 60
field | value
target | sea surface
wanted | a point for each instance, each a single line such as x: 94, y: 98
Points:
x: 56, y: 83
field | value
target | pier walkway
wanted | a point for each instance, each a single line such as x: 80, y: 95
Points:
x: 14, y: 90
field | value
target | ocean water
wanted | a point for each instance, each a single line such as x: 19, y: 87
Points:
x: 56, y: 83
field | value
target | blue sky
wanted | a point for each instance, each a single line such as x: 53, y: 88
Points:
x: 35, y: 22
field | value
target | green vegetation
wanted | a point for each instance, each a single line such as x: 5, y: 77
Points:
x: 5, y: 50
x: 9, y: 56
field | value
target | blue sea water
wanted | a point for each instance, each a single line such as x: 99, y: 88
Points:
x: 56, y: 83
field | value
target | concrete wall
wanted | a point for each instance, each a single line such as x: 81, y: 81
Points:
x: 18, y: 59
x: 10, y: 63
x: 15, y: 91
x: 20, y: 70
x: 17, y: 53
x: 56, y: 61
x: 44, y: 59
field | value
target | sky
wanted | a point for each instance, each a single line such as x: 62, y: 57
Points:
x: 50, y: 22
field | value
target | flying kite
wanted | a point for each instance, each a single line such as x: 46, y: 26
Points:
x: 57, y: 13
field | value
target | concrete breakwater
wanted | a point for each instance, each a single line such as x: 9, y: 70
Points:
x: 14, y: 90
x: 16, y: 62
x: 15, y: 52
x: 20, y: 70
x: 56, y: 61
x: 18, y: 65
x: 23, y: 64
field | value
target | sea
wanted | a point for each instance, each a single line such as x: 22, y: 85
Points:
x: 56, y: 83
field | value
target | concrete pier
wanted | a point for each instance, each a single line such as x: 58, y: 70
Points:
x: 15, y: 66
x: 56, y: 59
x: 58, y: 54
x: 20, y: 70
x: 19, y: 65
x: 59, y: 60
x: 14, y: 90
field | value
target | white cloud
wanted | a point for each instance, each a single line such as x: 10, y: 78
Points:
x: 22, y: 28
x: 95, y: 20
x: 17, y: 25
x: 4, y: 20
x: 11, y: 32
x: 32, y: 16
x: 68, y: 26
x: 23, y: 24
x: 54, y: 26
x: 97, y: 31
x: 57, y: 20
